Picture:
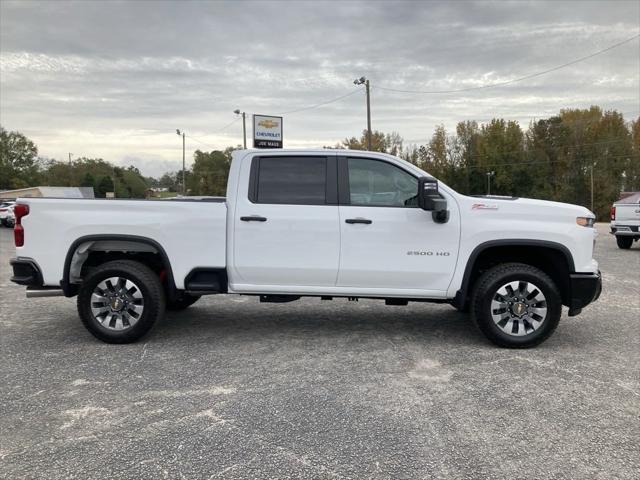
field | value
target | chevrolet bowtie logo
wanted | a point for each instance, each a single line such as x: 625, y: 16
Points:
x: 268, y: 124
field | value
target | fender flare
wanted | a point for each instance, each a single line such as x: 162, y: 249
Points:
x: 461, y: 295
x: 70, y: 289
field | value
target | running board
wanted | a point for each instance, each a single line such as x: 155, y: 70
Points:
x: 278, y: 298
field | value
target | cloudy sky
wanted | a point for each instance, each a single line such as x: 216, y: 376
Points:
x: 115, y: 79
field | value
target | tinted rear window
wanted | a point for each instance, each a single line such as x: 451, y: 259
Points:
x: 292, y: 180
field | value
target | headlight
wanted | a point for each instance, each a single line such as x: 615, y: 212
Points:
x: 585, y: 221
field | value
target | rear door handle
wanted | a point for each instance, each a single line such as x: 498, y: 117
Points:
x: 254, y: 218
x: 366, y: 221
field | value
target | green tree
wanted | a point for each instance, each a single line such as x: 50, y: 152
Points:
x: 380, y: 142
x: 467, y: 147
x: 132, y: 183
x: 632, y: 171
x: 208, y: 175
x: 169, y: 180
x: 88, y: 181
x: 434, y: 157
x: 546, y: 147
x: 105, y: 184
x: 126, y: 182
x: 19, y: 165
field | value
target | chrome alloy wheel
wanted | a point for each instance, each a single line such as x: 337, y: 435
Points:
x: 519, y: 308
x: 117, y: 303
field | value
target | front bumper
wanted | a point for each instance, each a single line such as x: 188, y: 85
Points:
x: 26, y: 272
x: 584, y: 289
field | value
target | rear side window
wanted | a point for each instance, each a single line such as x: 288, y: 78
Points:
x: 291, y: 180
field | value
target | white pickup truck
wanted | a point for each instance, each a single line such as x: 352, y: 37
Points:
x: 320, y: 223
x: 625, y: 220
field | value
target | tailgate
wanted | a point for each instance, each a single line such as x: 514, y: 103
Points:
x: 628, y: 213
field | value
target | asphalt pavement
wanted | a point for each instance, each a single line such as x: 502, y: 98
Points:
x: 232, y: 388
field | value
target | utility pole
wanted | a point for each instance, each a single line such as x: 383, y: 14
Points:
x: 184, y: 190
x: 244, y: 126
x: 365, y: 82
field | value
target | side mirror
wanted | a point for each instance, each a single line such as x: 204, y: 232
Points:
x: 430, y: 200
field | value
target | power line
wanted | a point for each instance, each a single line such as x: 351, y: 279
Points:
x: 195, y: 139
x: 201, y: 142
x: 321, y: 104
x: 218, y: 130
x: 508, y: 82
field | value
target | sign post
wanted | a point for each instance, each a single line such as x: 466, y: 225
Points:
x: 267, y: 131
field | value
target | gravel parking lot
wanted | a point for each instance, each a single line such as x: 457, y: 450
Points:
x: 231, y: 388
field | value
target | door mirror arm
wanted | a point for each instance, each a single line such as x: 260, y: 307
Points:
x: 440, y: 214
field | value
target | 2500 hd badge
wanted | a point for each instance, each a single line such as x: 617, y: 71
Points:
x: 428, y: 254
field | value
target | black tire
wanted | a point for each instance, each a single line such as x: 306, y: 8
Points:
x: 488, y: 285
x: 150, y: 289
x: 182, y: 301
x: 624, y: 242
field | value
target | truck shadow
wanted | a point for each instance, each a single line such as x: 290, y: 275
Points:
x: 310, y: 319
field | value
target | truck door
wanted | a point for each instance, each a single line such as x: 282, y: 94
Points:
x: 387, y: 241
x: 286, y: 229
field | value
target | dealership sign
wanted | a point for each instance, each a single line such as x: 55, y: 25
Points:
x: 267, y: 131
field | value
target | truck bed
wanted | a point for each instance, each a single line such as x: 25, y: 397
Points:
x: 191, y: 231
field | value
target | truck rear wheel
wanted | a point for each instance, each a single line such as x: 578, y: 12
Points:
x: 516, y: 305
x: 624, y: 242
x: 120, y: 301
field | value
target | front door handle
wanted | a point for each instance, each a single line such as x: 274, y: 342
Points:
x: 254, y: 218
x: 366, y: 221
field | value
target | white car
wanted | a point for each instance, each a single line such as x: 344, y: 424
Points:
x: 6, y: 214
x: 625, y: 220
x: 319, y: 223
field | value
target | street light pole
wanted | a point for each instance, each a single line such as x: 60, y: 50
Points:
x: 365, y: 82
x: 489, y: 175
x: 244, y: 126
x: 184, y: 190
x: 368, y: 116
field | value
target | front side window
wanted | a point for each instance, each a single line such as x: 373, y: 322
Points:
x: 292, y: 180
x: 376, y: 183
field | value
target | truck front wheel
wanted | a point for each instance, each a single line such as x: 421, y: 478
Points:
x: 624, y: 242
x: 516, y: 305
x: 120, y: 301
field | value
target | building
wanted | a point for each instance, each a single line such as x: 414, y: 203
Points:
x: 629, y: 197
x: 51, y: 192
